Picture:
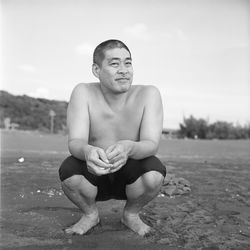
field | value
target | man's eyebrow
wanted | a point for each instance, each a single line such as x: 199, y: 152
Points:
x: 117, y: 58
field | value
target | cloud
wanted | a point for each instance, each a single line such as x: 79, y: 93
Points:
x: 86, y: 49
x: 141, y: 31
x: 26, y: 67
x: 138, y: 30
x: 181, y: 35
x: 164, y: 35
x: 40, y: 92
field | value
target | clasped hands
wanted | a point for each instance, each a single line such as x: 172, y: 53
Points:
x: 101, y: 162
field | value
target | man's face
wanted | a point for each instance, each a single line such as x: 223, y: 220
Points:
x: 116, y: 72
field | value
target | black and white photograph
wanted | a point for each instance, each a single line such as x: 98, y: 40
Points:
x: 125, y: 124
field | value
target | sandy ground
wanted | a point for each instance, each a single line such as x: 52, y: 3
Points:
x: 214, y: 215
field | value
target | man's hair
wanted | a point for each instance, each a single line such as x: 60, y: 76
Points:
x: 99, y: 52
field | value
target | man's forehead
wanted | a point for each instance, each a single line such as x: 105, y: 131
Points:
x: 121, y: 53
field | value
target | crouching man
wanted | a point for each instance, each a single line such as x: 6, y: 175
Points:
x: 114, y: 133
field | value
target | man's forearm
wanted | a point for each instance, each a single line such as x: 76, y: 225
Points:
x: 142, y: 149
x: 79, y: 148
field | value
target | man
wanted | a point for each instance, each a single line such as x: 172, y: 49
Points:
x: 114, y: 132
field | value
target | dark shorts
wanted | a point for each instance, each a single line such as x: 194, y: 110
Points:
x: 112, y: 186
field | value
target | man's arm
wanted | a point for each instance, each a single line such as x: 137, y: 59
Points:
x: 78, y: 126
x: 150, y: 132
x: 151, y: 126
x: 78, y: 122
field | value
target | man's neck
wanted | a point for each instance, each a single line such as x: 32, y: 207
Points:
x: 116, y: 101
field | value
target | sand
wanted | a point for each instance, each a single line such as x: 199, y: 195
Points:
x: 212, y: 213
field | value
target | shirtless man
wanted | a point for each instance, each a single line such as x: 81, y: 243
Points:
x: 114, y: 132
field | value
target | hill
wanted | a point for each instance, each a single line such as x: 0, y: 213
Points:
x: 32, y: 113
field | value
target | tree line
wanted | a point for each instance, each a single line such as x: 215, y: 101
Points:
x: 32, y: 113
x: 202, y: 129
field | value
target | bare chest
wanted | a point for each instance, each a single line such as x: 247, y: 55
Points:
x: 108, y: 126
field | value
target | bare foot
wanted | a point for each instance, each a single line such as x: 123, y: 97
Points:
x: 84, y: 224
x: 134, y: 222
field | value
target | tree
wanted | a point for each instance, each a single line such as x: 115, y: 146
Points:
x: 32, y: 113
x: 193, y: 128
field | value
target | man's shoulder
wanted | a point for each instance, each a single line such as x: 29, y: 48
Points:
x: 86, y: 88
x: 145, y: 90
x: 83, y: 91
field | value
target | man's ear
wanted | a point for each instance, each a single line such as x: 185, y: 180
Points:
x: 95, y: 70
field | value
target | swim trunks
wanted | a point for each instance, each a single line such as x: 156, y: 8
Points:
x: 111, y: 186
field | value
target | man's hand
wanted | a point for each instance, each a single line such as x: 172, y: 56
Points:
x: 117, y: 154
x: 97, y: 161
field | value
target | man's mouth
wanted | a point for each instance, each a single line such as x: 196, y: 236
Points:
x: 122, y: 79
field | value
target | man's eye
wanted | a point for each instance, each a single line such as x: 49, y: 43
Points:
x: 114, y: 64
x: 128, y: 63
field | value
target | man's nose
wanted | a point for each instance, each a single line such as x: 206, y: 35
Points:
x: 122, y: 68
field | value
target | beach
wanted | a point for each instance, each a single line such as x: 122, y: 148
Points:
x: 213, y: 214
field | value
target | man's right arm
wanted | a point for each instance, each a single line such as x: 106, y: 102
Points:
x: 78, y: 122
x: 78, y: 127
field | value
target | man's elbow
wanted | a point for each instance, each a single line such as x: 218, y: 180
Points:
x: 71, y: 150
x: 73, y: 144
x: 154, y: 147
x: 70, y: 146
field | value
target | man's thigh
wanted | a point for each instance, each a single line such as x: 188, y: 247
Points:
x: 111, y: 185
x: 133, y: 170
x: 72, y: 166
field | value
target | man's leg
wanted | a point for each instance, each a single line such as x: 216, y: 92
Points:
x: 140, y: 193
x: 83, y: 194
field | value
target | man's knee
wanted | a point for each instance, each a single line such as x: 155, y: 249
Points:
x: 152, y: 181
x: 72, y: 182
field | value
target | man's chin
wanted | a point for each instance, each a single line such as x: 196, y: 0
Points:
x: 124, y: 88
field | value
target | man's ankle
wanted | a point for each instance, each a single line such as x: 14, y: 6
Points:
x: 130, y: 213
x: 92, y: 212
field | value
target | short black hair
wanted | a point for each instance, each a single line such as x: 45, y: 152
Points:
x: 99, y: 51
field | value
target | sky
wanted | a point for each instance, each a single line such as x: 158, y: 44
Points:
x: 196, y: 52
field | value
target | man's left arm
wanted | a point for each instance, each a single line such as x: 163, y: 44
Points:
x: 150, y: 132
x: 151, y: 126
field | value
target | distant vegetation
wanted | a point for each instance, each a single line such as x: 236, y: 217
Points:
x: 30, y: 113
x: 200, y: 128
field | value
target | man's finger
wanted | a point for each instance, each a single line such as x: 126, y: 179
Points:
x: 102, y: 164
x: 113, y: 154
x: 96, y: 170
x: 103, y: 156
x: 118, y: 165
x: 91, y: 168
x: 102, y: 171
x: 110, y: 148
x: 116, y: 159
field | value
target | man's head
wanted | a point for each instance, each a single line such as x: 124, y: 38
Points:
x: 99, y: 52
x: 113, y: 66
